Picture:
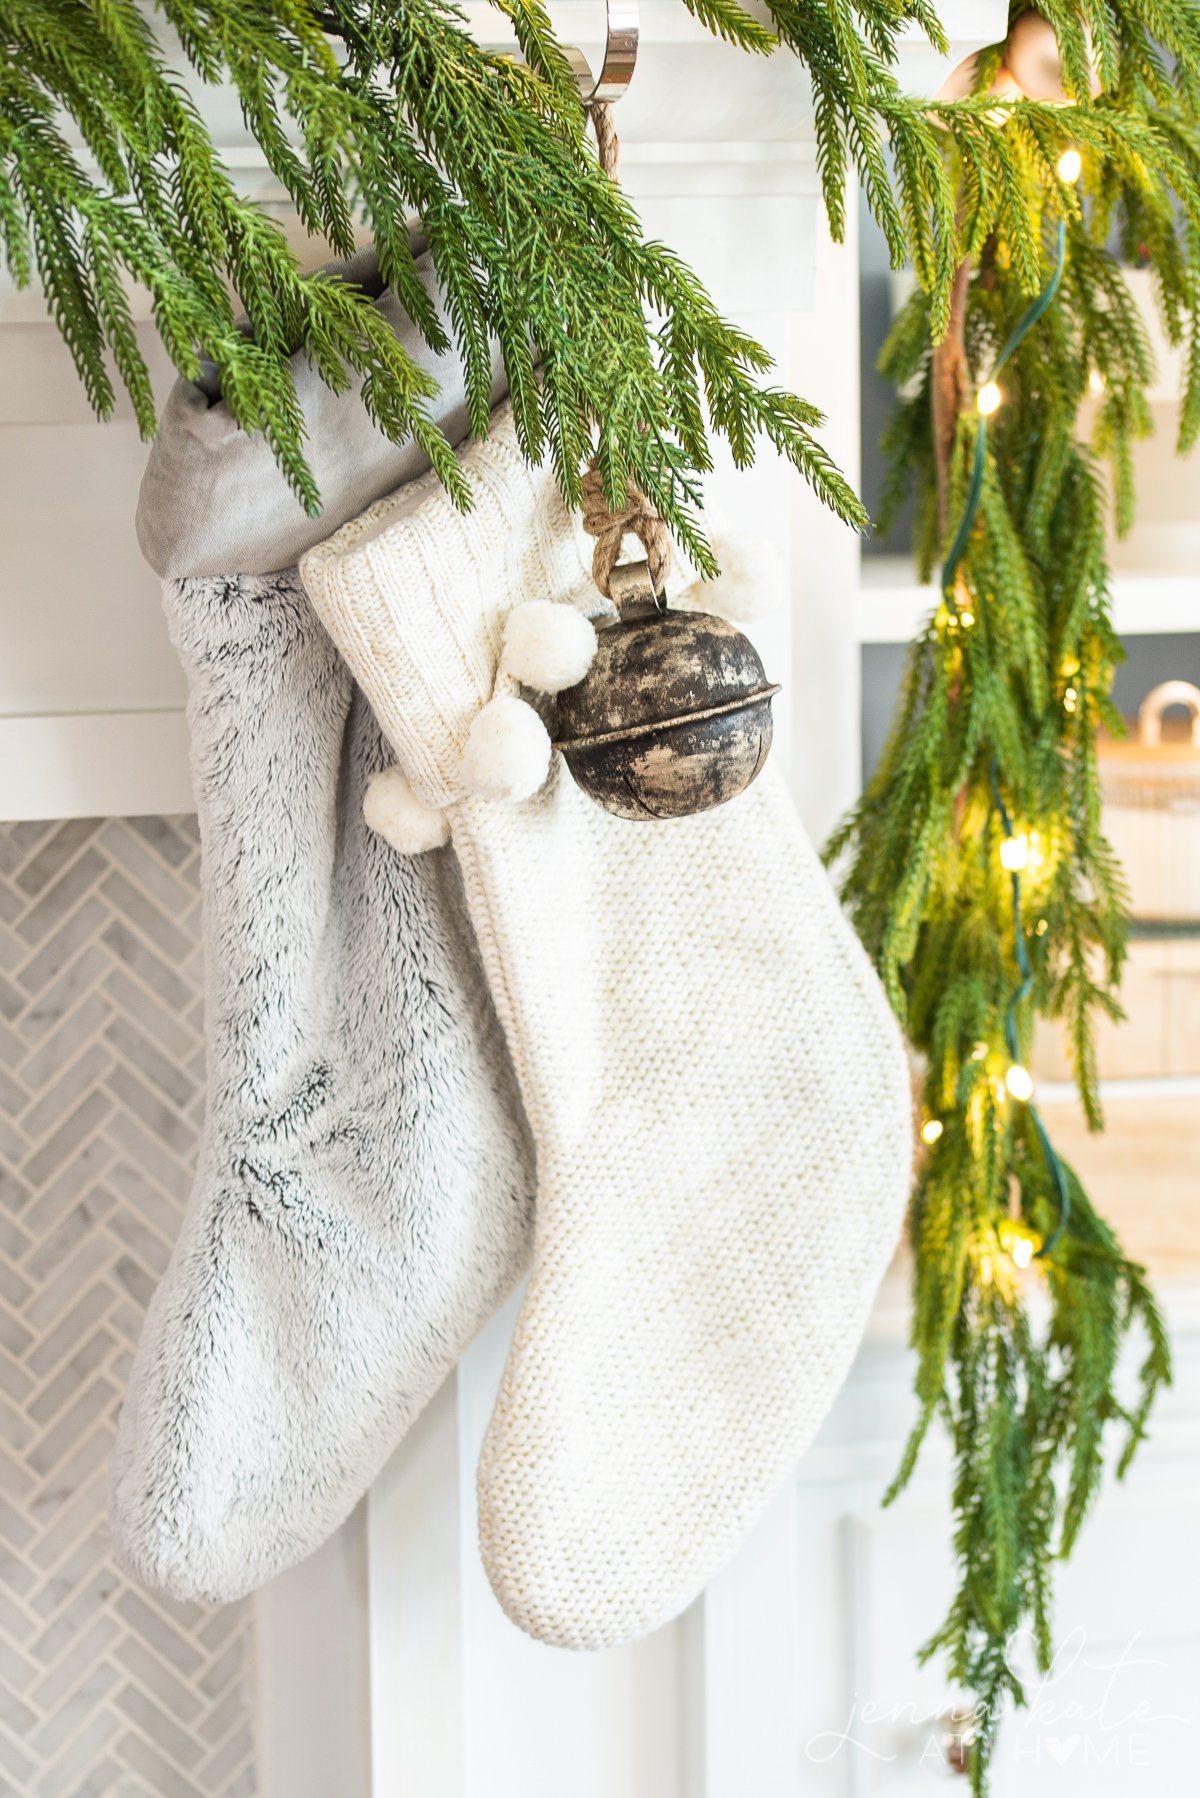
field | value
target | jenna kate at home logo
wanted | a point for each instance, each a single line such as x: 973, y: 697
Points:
x: 1093, y: 1708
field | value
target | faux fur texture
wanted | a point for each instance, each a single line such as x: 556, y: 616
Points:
x: 364, y: 1194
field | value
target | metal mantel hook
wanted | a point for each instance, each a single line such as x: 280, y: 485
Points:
x: 622, y: 21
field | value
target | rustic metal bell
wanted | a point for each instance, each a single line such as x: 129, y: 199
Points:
x: 674, y: 715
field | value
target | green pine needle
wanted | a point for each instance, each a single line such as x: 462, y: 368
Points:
x: 370, y: 116
x: 1022, y: 692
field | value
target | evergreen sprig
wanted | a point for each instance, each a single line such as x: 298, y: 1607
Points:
x: 1008, y: 683
x: 371, y: 114
x: 939, y: 178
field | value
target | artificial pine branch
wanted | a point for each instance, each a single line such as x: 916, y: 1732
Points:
x: 1008, y: 684
x: 409, y: 116
x: 937, y: 208
x: 374, y: 114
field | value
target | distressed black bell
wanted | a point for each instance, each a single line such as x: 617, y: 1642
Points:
x: 674, y: 715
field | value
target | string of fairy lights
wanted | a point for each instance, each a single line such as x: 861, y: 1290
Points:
x: 1014, y: 846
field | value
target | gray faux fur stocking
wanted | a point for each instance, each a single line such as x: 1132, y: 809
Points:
x: 364, y: 1194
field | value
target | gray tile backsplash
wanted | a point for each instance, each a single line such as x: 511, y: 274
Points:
x: 106, y: 1691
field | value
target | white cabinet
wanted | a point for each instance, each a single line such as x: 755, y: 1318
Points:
x: 91, y: 694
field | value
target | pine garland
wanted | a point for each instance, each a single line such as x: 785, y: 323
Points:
x: 1004, y: 691
x: 377, y: 113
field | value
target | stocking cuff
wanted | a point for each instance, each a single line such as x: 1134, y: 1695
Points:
x: 415, y: 596
x: 213, y: 501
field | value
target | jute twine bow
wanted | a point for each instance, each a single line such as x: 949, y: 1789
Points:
x: 638, y: 516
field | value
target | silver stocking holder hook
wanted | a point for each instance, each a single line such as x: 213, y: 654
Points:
x: 620, y: 56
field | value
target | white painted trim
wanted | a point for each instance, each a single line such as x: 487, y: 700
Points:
x: 772, y: 153
x: 1154, y: 1086
x: 414, y: 1550
x: 824, y: 678
x: 313, y: 1672
x: 706, y: 172
x: 892, y: 606
x: 742, y: 1667
x: 94, y: 765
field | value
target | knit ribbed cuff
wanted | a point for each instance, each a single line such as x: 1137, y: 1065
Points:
x: 414, y: 596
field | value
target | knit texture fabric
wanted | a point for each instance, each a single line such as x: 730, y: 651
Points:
x: 715, y: 1083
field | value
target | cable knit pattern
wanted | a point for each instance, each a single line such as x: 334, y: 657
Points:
x: 364, y: 1195
x: 716, y: 1087
x: 430, y: 683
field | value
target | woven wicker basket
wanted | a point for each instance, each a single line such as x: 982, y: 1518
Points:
x: 1151, y: 787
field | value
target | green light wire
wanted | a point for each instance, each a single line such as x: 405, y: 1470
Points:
x: 1016, y: 337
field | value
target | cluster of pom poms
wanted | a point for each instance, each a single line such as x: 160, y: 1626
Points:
x: 547, y: 647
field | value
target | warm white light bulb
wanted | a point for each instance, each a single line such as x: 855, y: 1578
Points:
x: 988, y: 398
x: 1070, y: 167
x: 1070, y: 699
x: 1014, y: 854
x: 1022, y: 1251
x: 1019, y: 1082
x: 966, y: 619
x: 931, y: 1129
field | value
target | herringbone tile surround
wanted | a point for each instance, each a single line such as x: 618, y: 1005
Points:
x: 105, y: 1690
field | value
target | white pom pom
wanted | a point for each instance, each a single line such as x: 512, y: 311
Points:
x: 392, y: 808
x: 547, y: 645
x: 508, y: 750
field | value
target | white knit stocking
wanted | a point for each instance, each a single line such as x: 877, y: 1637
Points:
x: 715, y: 1084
